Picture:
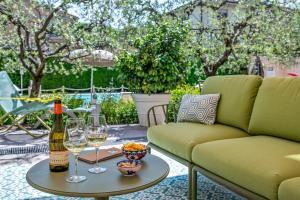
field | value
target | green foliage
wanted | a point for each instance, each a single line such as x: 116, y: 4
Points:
x: 115, y: 111
x: 175, y: 100
x: 102, y: 78
x: 70, y: 102
x: 4, y: 121
x: 232, y: 67
x: 235, y: 66
x: 225, y: 43
x: 158, y: 62
x: 119, y: 112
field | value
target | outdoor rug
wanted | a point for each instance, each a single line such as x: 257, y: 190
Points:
x: 13, y: 186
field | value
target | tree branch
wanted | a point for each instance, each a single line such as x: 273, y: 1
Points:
x: 33, y: 61
x: 58, y: 50
x: 16, y: 22
x: 230, y: 39
x: 190, y: 8
x: 22, y: 51
x: 37, y: 37
x: 49, y: 18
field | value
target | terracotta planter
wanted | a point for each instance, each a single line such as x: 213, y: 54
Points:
x: 144, y: 102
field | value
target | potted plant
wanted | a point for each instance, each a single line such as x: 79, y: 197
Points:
x: 155, y: 66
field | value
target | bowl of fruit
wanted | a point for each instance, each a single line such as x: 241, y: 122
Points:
x: 129, y: 167
x: 134, y: 151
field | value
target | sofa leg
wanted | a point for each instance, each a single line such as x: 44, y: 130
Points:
x: 194, y: 184
x: 148, y: 149
x: 190, y: 182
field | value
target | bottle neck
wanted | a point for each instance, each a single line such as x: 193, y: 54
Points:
x: 57, y: 117
x: 57, y: 112
x: 57, y: 109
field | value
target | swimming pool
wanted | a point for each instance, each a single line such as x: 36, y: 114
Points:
x: 86, y: 97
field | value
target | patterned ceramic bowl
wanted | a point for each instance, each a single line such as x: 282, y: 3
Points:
x: 129, y: 167
x: 134, y: 155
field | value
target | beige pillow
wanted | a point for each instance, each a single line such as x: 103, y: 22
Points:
x: 198, y: 108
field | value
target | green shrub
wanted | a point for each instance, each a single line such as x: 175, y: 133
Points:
x: 119, y: 112
x: 4, y: 121
x: 102, y: 78
x: 70, y: 102
x: 175, y: 100
x: 115, y: 111
x: 157, y: 63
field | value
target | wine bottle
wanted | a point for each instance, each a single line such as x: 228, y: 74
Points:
x: 58, y: 158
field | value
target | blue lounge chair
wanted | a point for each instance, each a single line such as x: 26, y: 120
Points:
x: 16, y: 109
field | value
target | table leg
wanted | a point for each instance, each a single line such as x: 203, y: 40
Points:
x: 101, y: 198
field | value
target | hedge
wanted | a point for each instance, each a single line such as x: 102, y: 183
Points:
x: 102, y: 78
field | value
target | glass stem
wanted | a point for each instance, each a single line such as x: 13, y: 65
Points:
x: 76, y: 164
x: 97, y: 152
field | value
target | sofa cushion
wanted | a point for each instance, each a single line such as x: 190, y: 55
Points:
x: 289, y: 189
x: 238, y: 93
x: 180, y: 138
x: 198, y: 108
x: 276, y: 110
x: 257, y: 163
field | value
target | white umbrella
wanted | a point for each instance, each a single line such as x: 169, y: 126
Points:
x: 95, y: 58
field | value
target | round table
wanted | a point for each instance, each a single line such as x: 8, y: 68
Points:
x: 99, y: 186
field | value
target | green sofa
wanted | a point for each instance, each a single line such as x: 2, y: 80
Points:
x: 254, y: 147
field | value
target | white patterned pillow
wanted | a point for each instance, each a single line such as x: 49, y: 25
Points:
x: 198, y: 108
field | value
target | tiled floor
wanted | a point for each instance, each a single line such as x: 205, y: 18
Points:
x: 13, y: 168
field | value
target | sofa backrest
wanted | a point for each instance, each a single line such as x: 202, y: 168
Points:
x: 276, y: 110
x: 238, y: 93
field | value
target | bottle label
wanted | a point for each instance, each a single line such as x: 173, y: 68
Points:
x: 57, y: 108
x: 59, y: 157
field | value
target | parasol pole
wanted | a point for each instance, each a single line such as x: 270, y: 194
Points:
x: 92, y: 82
x: 21, y: 73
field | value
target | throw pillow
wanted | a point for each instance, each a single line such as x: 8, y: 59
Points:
x: 198, y: 108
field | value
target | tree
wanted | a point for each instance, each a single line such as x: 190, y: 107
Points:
x: 136, y: 15
x: 229, y: 33
x: 38, y: 32
x: 252, y: 28
x: 158, y: 62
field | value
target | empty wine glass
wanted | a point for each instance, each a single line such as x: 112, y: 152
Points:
x: 96, y: 135
x: 75, y: 142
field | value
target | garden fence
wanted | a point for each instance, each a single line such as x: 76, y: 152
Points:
x: 93, y: 89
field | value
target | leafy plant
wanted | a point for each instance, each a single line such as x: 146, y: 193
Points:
x: 102, y: 78
x: 4, y: 121
x: 158, y: 62
x: 70, y: 101
x: 119, y: 111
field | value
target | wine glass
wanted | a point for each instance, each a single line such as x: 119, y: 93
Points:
x: 75, y: 142
x: 96, y: 135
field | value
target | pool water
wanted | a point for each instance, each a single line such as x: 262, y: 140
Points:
x: 86, y: 97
